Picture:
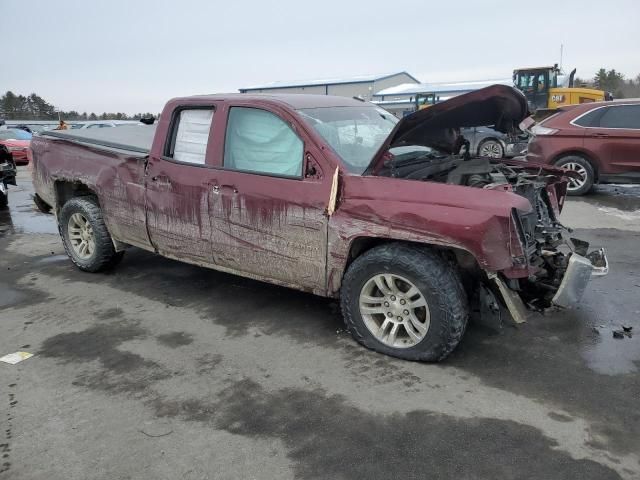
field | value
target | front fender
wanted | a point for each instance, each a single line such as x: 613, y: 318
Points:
x: 485, y: 236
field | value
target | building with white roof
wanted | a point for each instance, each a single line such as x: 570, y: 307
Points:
x: 396, y: 92
x: 363, y: 86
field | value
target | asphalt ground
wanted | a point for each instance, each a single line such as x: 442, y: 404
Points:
x: 161, y: 370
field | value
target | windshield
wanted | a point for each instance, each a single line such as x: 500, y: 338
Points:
x: 355, y: 133
x: 14, y: 134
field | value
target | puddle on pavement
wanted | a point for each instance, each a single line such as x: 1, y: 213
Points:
x: 54, y: 259
x: 9, y: 296
x: 612, y: 356
x: 625, y: 198
x: 22, y: 215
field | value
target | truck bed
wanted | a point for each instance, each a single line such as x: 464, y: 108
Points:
x: 136, y: 139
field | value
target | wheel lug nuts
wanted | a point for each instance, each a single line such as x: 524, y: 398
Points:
x: 406, y: 312
x: 393, y: 298
x: 386, y: 304
x: 399, y: 318
x: 389, y: 314
x: 403, y: 301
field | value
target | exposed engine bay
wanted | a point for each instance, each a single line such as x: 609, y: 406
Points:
x: 548, y: 267
x: 546, y: 245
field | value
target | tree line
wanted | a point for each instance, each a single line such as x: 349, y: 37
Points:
x: 34, y: 107
x: 614, y: 82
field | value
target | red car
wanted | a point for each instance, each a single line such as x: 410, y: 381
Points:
x: 600, y: 141
x: 17, y: 142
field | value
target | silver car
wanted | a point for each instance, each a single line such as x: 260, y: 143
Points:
x: 487, y: 142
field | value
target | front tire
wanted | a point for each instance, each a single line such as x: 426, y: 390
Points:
x: 491, y: 148
x: 581, y: 166
x: 85, y: 236
x: 405, y: 301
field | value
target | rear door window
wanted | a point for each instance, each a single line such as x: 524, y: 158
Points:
x: 590, y: 119
x: 623, y: 116
x: 261, y: 142
x: 190, y: 135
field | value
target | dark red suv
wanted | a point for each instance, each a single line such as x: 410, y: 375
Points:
x: 600, y: 141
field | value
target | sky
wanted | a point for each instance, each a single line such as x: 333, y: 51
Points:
x: 132, y: 56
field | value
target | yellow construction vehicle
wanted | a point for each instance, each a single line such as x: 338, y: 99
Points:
x: 546, y: 89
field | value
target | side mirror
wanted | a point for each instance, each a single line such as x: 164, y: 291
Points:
x: 311, y: 167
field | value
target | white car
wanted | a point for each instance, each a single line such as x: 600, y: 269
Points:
x: 103, y: 123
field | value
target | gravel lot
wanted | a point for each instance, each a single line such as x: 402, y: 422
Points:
x: 160, y: 370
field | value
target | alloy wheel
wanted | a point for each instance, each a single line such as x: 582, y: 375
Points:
x: 491, y: 149
x: 575, y: 183
x: 81, y: 236
x: 394, y: 310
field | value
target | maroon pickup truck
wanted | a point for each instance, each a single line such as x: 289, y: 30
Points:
x: 333, y: 196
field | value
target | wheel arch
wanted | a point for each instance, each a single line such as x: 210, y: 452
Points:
x: 65, y: 190
x: 361, y: 244
x: 462, y: 258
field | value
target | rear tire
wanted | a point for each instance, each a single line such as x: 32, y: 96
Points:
x: 376, y: 298
x: 582, y: 166
x: 85, y: 236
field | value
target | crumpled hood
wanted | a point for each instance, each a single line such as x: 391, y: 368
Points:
x: 499, y: 106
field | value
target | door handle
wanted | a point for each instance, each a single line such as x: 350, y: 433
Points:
x: 217, y: 189
x: 601, y: 135
x: 161, y: 179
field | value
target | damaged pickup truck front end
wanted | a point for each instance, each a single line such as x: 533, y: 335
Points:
x: 549, y: 268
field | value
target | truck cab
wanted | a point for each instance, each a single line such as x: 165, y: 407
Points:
x: 536, y: 84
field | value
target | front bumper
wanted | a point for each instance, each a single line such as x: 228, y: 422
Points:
x: 579, y: 271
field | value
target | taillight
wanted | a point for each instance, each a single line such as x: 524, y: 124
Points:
x: 540, y: 130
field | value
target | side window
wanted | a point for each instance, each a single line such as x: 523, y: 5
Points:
x: 623, y: 116
x: 590, y: 119
x: 259, y: 141
x: 191, y: 135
